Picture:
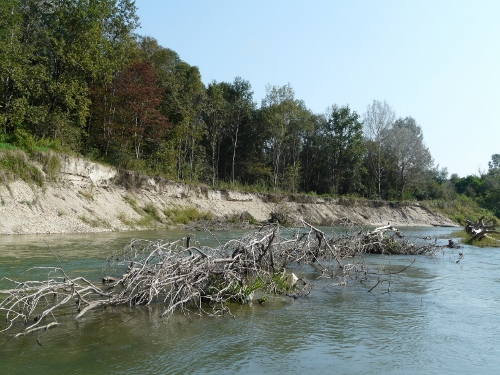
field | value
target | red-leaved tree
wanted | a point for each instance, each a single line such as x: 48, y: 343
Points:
x: 138, y: 123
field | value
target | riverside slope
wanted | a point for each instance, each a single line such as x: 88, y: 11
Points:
x: 90, y: 197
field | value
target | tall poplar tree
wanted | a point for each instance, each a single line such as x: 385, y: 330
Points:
x: 410, y: 158
x: 378, y: 118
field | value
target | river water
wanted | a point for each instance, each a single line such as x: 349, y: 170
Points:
x: 441, y: 317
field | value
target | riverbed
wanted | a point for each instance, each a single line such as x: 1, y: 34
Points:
x: 440, y: 317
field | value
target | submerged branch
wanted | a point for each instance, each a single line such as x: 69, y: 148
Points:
x: 202, y: 278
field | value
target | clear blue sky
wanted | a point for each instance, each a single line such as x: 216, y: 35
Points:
x: 436, y: 61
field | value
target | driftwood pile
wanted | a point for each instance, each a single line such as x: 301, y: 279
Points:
x: 185, y: 276
x: 480, y: 228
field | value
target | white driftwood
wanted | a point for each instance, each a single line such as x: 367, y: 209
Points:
x: 197, y: 277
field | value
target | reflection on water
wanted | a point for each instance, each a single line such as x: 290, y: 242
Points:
x: 440, y: 317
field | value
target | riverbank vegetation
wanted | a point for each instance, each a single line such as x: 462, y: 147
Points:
x: 191, y: 278
x: 75, y: 78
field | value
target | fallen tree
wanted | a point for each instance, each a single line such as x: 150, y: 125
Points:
x: 480, y: 229
x: 186, y: 276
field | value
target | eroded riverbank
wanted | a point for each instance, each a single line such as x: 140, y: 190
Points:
x: 90, y: 197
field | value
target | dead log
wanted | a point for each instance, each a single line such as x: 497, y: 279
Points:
x: 480, y: 229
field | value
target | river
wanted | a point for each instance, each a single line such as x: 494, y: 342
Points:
x: 441, y: 317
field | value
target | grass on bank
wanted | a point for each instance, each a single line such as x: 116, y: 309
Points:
x: 185, y: 215
x: 150, y: 214
x: 493, y: 239
x: 22, y: 156
x: 459, y: 209
x: 14, y: 164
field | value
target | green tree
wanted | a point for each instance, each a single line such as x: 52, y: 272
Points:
x: 491, y: 198
x: 61, y: 47
x: 241, y: 105
x: 14, y: 58
x: 410, y: 158
x: 378, y: 118
x: 344, y: 150
x: 312, y: 156
x: 182, y: 155
x: 188, y: 94
x: 285, y: 118
x: 494, y: 165
x: 215, y: 116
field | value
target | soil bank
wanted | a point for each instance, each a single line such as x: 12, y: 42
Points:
x: 90, y: 197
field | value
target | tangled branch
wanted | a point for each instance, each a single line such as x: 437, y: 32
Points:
x: 480, y: 228
x: 185, y: 276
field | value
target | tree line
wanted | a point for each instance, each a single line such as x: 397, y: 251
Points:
x: 75, y: 76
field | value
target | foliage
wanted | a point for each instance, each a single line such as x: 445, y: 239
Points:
x: 458, y: 209
x: 410, y: 160
x: 185, y: 215
x: 492, y: 241
x: 65, y: 46
x: 285, y: 119
x: 15, y: 164
x: 75, y: 78
x: 483, y: 189
x: 377, y: 119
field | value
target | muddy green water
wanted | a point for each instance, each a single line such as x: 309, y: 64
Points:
x: 441, y: 317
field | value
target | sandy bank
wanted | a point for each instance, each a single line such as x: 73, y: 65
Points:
x: 89, y: 197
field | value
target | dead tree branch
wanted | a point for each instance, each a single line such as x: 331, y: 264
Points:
x: 196, y: 278
x: 480, y: 228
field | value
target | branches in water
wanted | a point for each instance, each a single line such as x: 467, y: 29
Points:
x: 203, y: 279
x: 480, y: 228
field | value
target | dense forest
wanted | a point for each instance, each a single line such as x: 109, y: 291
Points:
x: 75, y: 77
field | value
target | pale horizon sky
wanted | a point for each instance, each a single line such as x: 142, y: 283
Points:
x: 436, y: 61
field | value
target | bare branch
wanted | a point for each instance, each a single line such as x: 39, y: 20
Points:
x: 205, y: 279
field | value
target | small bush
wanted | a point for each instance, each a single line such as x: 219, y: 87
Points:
x: 281, y: 215
x: 51, y: 165
x: 125, y: 219
x: 152, y: 211
x: 15, y: 164
x: 185, y: 215
x: 133, y: 203
x: 24, y: 140
x: 94, y: 222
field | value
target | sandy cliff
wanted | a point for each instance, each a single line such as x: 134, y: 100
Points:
x: 90, y: 197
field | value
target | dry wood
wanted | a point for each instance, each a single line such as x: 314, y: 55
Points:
x: 480, y: 228
x: 201, y: 279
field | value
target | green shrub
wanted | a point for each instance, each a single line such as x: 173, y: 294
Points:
x: 22, y: 139
x: 125, y: 219
x: 152, y: 211
x: 458, y: 209
x: 185, y: 215
x: 87, y: 194
x: 133, y: 203
x: 15, y: 164
x: 7, y: 146
x: 51, y: 164
x: 95, y: 222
